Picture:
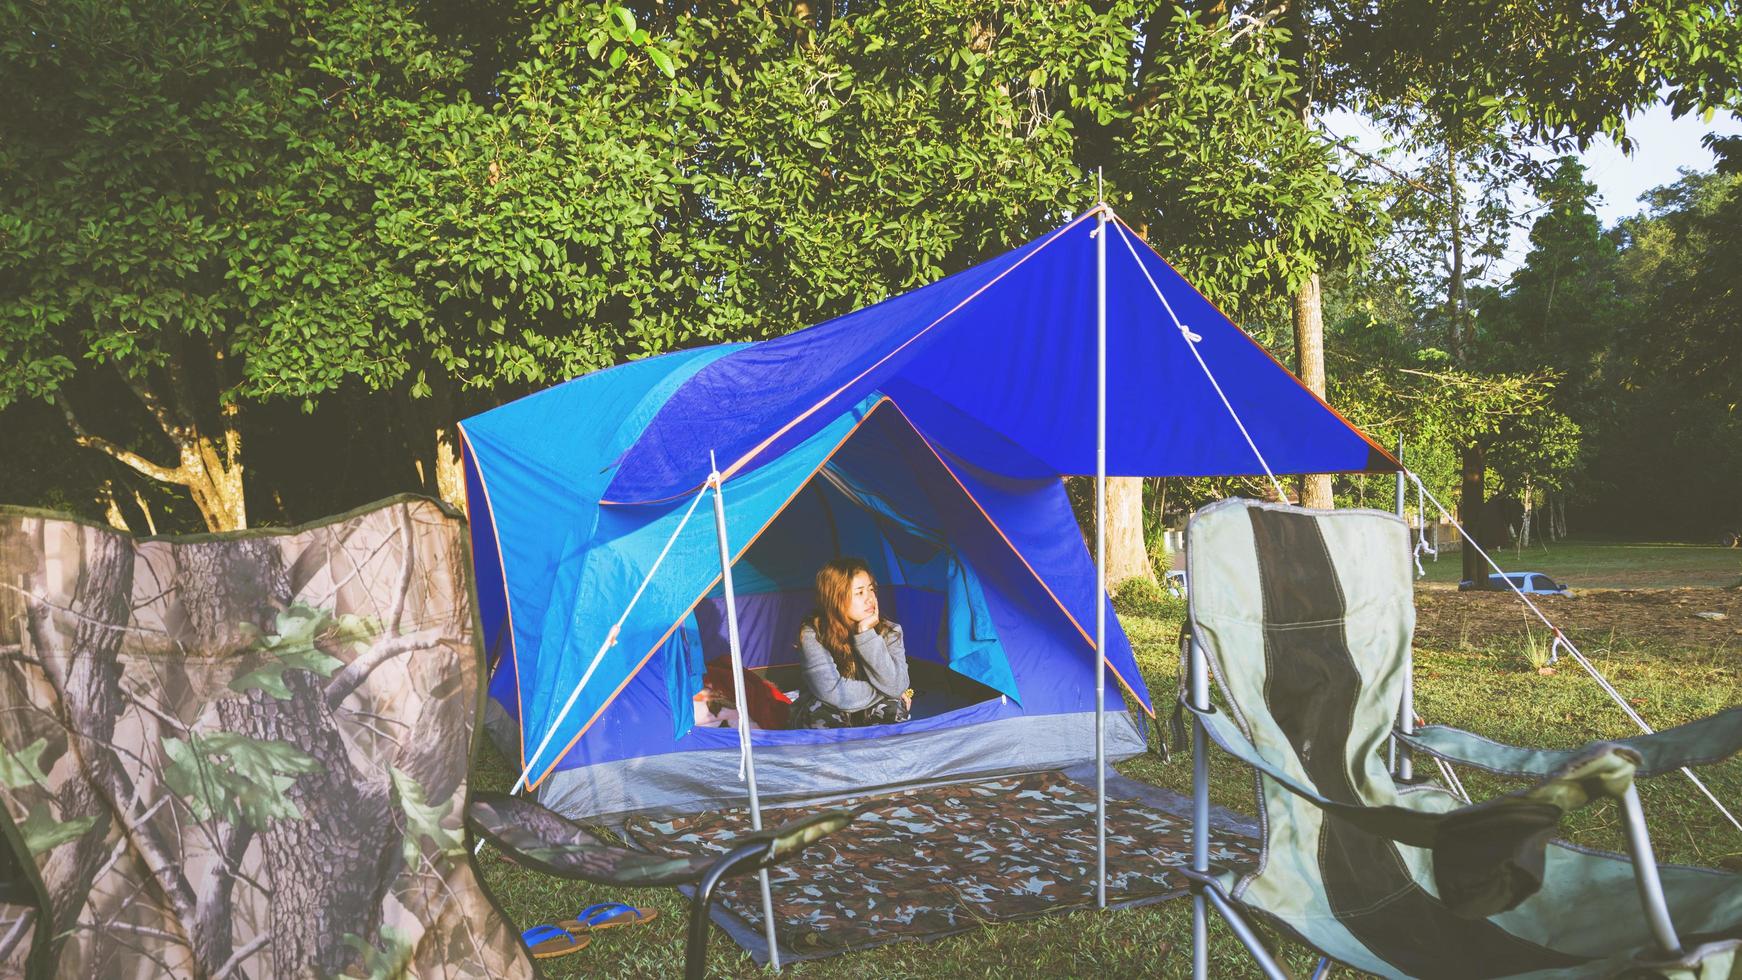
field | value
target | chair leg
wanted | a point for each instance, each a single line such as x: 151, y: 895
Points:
x: 1245, y: 933
x: 1198, y: 680
x: 696, y: 952
x: 1645, y: 874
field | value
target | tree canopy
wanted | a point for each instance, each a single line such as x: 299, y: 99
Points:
x: 259, y: 258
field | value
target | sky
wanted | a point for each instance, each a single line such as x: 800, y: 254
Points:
x: 1663, y: 146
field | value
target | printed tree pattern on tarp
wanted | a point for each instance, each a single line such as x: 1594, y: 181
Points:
x: 936, y: 861
x: 245, y: 755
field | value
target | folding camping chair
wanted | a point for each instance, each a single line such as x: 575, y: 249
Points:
x: 1304, y: 618
x: 247, y: 754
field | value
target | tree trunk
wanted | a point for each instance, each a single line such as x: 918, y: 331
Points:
x: 450, y: 473
x: 1309, y: 345
x: 214, y: 480
x: 1127, y: 556
x: 1524, y: 522
x: 1455, y: 288
x: 1471, y: 509
x: 80, y: 655
x: 209, y: 467
x: 112, y: 508
x: 225, y: 590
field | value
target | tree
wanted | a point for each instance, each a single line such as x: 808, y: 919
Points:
x: 1462, y: 79
x: 177, y: 232
x: 1557, y: 312
x: 1669, y: 454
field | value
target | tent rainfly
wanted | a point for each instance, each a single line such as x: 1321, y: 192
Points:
x: 927, y: 434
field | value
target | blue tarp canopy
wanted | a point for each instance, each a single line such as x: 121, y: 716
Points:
x: 927, y: 433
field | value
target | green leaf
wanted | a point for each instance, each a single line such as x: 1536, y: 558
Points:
x: 43, y: 833
x: 293, y: 647
x: 230, y: 776
x: 662, y: 61
x: 390, y: 962
x: 24, y: 768
x: 424, y: 821
x: 618, y: 56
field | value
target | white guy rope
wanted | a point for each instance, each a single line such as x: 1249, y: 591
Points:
x: 1566, y: 644
x: 1191, y: 340
x: 610, y: 641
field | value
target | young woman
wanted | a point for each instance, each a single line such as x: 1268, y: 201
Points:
x: 855, y: 664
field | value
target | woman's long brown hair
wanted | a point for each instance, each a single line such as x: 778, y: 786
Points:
x: 829, y: 619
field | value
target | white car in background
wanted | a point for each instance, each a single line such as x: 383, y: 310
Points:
x: 1175, y: 583
x: 1529, y: 583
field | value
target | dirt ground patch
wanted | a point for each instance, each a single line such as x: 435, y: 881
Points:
x: 1447, y: 619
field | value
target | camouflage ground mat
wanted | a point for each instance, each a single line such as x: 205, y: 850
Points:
x: 932, y: 862
x: 241, y: 755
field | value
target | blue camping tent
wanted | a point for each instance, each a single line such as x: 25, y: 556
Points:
x: 927, y: 434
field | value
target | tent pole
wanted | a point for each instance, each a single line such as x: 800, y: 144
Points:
x: 743, y: 705
x: 1405, y: 768
x: 1100, y: 553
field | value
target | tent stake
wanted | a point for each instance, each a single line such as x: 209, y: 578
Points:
x: 1100, y: 553
x: 749, y: 758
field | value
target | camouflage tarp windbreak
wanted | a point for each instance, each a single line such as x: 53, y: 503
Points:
x: 930, y: 862
x: 243, y: 755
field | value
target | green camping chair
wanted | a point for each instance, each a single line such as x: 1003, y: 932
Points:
x: 1304, y: 618
x: 247, y: 755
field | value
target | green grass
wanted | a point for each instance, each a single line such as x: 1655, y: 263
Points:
x: 1494, y: 691
x: 1601, y: 564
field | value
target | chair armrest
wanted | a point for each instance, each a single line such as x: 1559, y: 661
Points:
x: 1488, y: 857
x: 536, y: 837
x: 1696, y: 743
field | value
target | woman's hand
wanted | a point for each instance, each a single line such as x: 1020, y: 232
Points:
x: 865, y: 624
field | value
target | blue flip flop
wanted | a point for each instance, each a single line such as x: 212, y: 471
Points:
x: 607, y: 915
x: 547, y: 942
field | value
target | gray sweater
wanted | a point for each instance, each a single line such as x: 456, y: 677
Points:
x: 883, y: 663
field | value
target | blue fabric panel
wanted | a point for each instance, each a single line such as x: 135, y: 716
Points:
x: 1036, y: 521
x: 1020, y: 359
x: 599, y: 571
x: 969, y: 636
x: 537, y: 464
x: 683, y: 671
x: 744, y: 399
x: 768, y: 625
x: 486, y: 563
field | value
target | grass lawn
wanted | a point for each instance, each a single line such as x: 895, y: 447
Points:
x: 1602, y: 564
x: 1486, y: 683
